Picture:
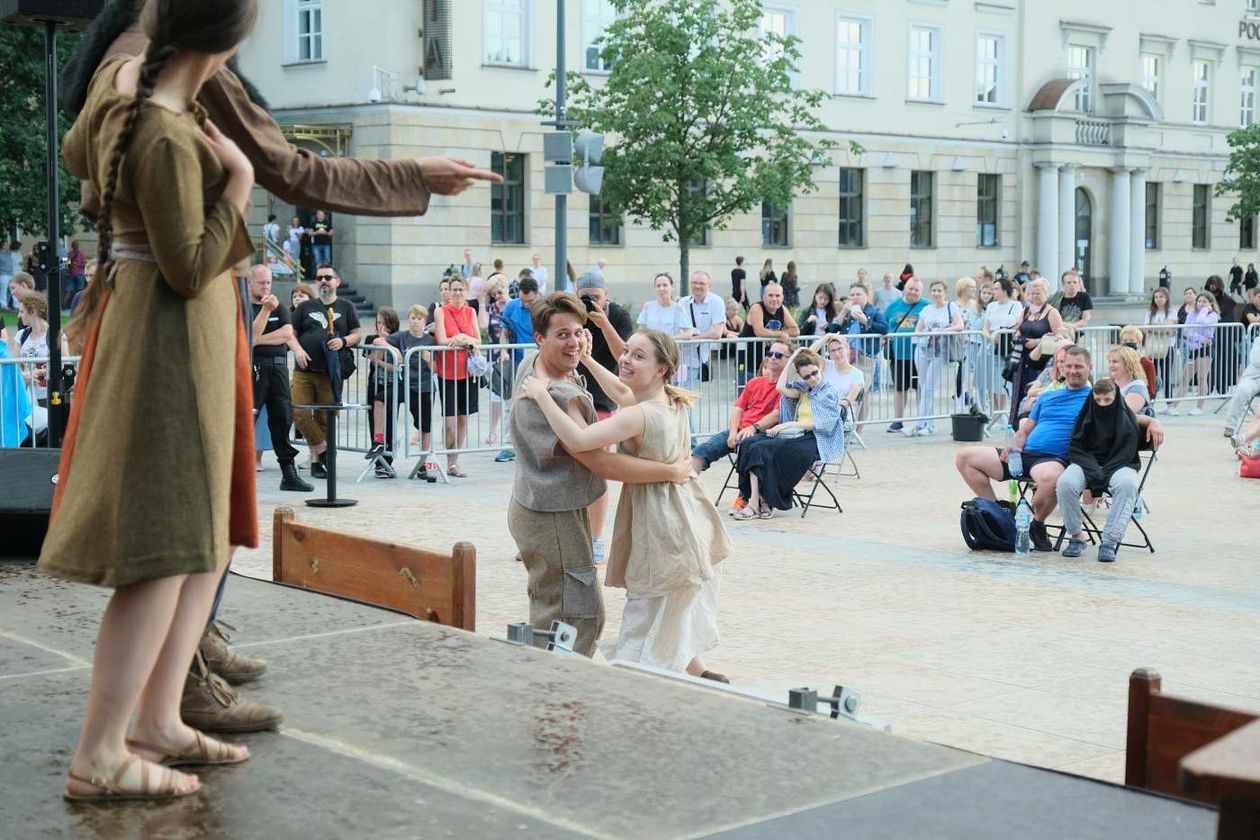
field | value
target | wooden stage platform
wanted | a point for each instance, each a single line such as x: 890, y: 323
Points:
x: 399, y: 728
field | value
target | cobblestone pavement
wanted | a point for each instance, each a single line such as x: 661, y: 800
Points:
x: 1022, y: 659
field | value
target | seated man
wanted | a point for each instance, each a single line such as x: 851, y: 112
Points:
x: 1043, y: 439
x: 756, y: 410
x: 1103, y: 459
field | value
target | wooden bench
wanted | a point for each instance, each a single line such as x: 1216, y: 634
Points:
x: 430, y: 586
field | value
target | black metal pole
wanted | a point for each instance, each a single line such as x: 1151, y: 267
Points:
x: 562, y: 200
x: 55, y: 408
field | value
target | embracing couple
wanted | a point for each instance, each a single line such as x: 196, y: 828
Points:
x: 668, y: 538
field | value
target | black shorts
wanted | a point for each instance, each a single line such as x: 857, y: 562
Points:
x: 459, y: 396
x: 1203, y: 352
x: 905, y: 374
x: 1030, y: 459
x: 420, y: 404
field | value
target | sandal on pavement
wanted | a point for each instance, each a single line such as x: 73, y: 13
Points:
x: 743, y: 514
x: 165, y: 789
x: 200, y: 751
x: 765, y: 513
x: 715, y: 676
x: 456, y: 472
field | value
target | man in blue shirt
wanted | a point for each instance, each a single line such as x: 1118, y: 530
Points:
x: 516, y: 323
x: 902, y: 317
x: 1043, y: 440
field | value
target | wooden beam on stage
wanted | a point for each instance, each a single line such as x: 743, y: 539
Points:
x: 435, y: 587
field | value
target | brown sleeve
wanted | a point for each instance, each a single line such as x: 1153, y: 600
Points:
x: 302, y: 178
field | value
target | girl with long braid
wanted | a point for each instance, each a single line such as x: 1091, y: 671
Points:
x: 165, y: 364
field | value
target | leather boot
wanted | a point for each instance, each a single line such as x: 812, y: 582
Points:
x: 211, y: 705
x: 234, y: 667
x: 292, y: 481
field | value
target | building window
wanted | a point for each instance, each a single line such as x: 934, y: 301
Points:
x: 507, y: 200
x: 507, y: 32
x: 1247, y: 114
x: 779, y: 21
x: 1253, y: 6
x: 1200, y: 232
x: 1152, y: 216
x: 309, y: 31
x: 604, y: 222
x: 1150, y: 74
x: 596, y: 16
x: 921, y: 210
x: 1247, y: 234
x: 852, y: 208
x: 774, y: 225
x: 1081, y: 66
x: 988, y: 200
x: 853, y: 56
x: 1202, y: 77
x: 990, y: 69
x: 925, y: 63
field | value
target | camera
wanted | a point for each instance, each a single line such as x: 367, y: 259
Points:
x: 589, y: 301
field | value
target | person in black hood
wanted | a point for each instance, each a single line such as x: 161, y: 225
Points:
x: 1103, y: 458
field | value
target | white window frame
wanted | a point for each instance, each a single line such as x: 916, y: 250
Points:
x: 502, y: 8
x: 933, y: 58
x: 1201, y: 111
x: 791, y: 25
x: 1153, y: 83
x: 998, y: 64
x: 596, y: 16
x: 864, y: 51
x: 1249, y: 76
x: 1084, y: 96
x: 294, y: 12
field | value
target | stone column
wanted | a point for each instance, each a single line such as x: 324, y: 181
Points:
x: 1120, y: 232
x: 1048, y: 221
x: 1067, y: 222
x: 1137, y: 239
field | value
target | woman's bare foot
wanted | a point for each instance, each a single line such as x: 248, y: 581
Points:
x: 141, y: 778
x: 183, y: 743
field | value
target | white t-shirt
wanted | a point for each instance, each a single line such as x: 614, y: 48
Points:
x: 271, y: 230
x: 33, y: 347
x: 668, y: 319
x: 702, y: 315
x: 541, y: 274
x: 295, y: 236
x: 1001, y: 316
x: 843, y: 381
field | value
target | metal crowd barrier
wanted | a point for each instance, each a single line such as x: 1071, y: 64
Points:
x: 24, y: 403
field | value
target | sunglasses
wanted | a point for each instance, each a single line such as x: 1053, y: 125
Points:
x: 775, y: 354
x: 813, y: 373
x: 325, y: 276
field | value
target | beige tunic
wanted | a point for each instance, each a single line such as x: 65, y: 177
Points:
x: 148, y: 473
x: 666, y: 537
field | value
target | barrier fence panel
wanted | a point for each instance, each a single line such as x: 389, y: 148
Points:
x: 24, y: 399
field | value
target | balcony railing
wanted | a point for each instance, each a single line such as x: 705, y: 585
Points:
x: 1093, y: 133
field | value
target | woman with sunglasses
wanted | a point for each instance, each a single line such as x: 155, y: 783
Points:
x: 809, y: 431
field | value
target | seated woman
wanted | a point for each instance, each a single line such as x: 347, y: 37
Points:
x: 1125, y: 367
x: 809, y: 431
x: 1103, y: 458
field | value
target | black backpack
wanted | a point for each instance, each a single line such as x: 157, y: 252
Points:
x: 988, y: 525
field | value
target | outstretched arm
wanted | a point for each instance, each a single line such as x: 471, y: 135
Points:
x: 790, y: 393
x: 579, y: 438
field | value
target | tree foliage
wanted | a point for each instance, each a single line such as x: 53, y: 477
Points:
x: 697, y: 96
x: 23, y: 188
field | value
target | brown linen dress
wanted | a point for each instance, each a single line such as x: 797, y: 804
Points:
x: 156, y: 476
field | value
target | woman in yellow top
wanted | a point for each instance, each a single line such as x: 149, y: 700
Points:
x: 156, y: 475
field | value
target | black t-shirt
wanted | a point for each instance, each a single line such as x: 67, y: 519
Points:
x: 600, y: 351
x: 1248, y: 309
x: 319, y: 231
x: 1235, y: 276
x: 278, y: 318
x: 1072, y: 308
x: 738, y: 276
x: 310, y: 321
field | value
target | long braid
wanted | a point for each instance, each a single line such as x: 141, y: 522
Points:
x: 155, y: 59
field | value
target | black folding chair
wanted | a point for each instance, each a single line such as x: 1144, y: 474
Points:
x: 1094, y: 533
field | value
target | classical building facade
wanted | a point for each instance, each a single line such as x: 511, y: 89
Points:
x: 1065, y: 132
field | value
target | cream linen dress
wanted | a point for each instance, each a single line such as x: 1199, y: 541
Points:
x: 666, y: 545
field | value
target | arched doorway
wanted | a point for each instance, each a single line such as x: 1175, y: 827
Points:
x: 1083, y: 242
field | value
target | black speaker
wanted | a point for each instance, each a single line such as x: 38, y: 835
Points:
x: 27, y: 476
x: 73, y: 14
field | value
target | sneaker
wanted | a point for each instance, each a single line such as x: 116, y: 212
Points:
x: 385, y: 471
x: 893, y: 428
x: 1236, y: 441
x: 1172, y: 411
x: 1195, y: 412
x: 505, y: 456
x: 1074, y: 549
x: 1229, y: 432
x: 740, y: 502
x: 1106, y: 553
x: 1040, y: 538
x: 318, y: 470
x: 377, y: 449
x: 597, y: 548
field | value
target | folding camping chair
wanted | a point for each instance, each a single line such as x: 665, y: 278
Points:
x: 1094, y: 533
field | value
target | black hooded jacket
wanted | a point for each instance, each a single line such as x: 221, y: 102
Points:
x: 1105, y: 439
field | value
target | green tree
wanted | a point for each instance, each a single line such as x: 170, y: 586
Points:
x: 23, y: 188
x: 703, y: 117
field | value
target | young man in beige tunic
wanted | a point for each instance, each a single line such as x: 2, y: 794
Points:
x: 553, y: 486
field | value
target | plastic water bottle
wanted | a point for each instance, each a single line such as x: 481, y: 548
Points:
x: 1138, y: 509
x: 1015, y: 463
x: 1023, y: 525
x: 1013, y: 487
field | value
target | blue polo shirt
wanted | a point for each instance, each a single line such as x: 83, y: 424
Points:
x: 908, y: 316
x: 516, y: 318
x: 1055, y: 413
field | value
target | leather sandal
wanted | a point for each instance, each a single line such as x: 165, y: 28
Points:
x: 744, y: 513
x: 200, y: 751
x: 715, y: 676
x: 165, y: 789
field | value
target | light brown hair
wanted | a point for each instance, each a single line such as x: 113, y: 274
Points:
x: 556, y: 303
